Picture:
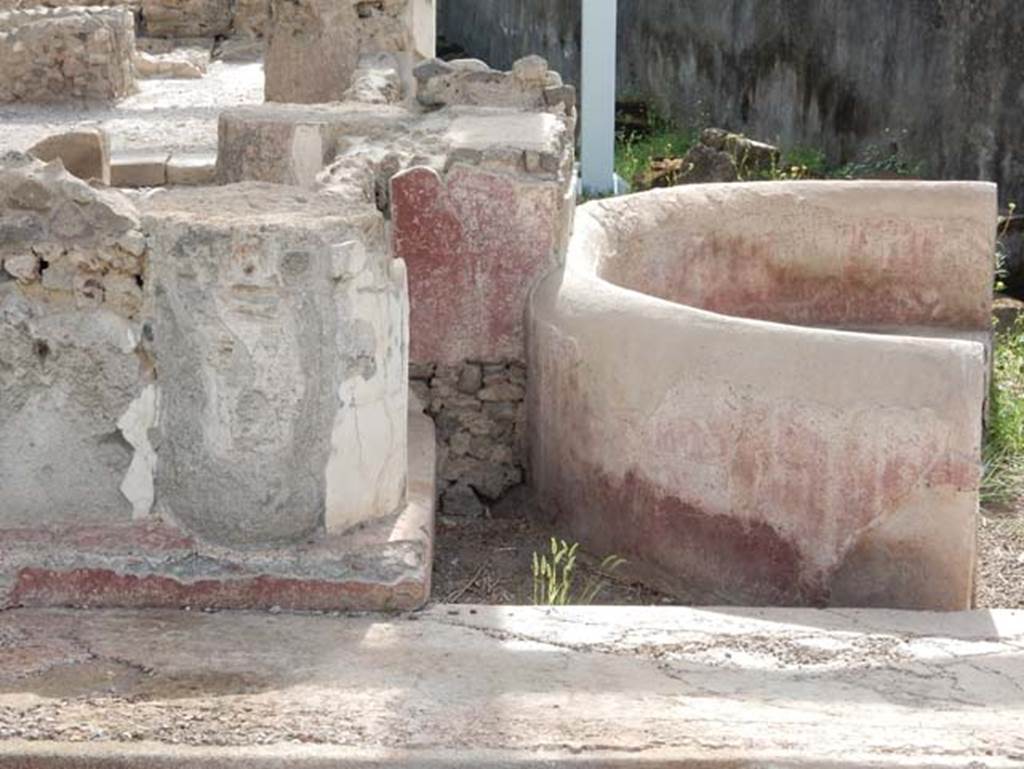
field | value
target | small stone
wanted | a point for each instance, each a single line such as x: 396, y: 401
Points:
x: 506, y: 391
x: 431, y: 68
x: 461, y: 500
x: 85, y: 153
x: 421, y: 370
x: 460, y: 443
x: 59, y: 276
x: 470, y: 379
x: 476, y: 422
x: 133, y: 241
x: 469, y: 65
x: 531, y: 70
x: 23, y: 267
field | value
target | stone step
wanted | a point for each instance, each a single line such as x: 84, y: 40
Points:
x: 139, y: 168
x: 476, y: 686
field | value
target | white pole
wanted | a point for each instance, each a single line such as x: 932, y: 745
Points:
x: 598, y: 98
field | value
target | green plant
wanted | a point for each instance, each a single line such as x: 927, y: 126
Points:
x: 1003, y: 476
x: 554, y: 575
x: 796, y: 164
x: 634, y: 150
x: 878, y: 162
x: 1001, y: 248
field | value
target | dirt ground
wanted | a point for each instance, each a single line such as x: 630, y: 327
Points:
x: 489, y: 560
x: 1000, y: 582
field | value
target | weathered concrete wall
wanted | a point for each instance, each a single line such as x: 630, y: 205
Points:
x: 769, y: 463
x: 67, y: 54
x: 937, y: 79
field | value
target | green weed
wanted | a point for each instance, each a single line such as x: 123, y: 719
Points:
x: 1003, y: 477
x: 555, y: 573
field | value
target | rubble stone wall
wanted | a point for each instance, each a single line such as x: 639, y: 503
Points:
x: 187, y: 18
x: 66, y: 54
x: 314, y: 47
x: 479, y: 411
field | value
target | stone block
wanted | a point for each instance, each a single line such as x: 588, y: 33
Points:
x: 172, y: 65
x: 84, y: 152
x: 192, y: 169
x: 282, y: 384
x: 278, y: 145
x: 471, y: 82
x: 139, y: 169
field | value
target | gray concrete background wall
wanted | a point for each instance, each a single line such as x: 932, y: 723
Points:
x: 939, y: 79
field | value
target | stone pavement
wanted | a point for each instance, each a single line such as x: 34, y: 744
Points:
x: 512, y: 686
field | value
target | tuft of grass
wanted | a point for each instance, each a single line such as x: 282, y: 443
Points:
x: 554, y: 576
x: 1002, y: 483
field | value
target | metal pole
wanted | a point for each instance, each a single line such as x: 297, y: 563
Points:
x: 598, y: 98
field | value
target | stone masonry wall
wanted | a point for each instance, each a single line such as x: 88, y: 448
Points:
x: 65, y: 54
x: 314, y: 47
x: 480, y: 416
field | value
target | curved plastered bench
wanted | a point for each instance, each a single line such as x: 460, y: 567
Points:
x: 771, y: 393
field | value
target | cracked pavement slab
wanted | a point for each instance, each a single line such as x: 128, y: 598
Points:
x: 512, y: 686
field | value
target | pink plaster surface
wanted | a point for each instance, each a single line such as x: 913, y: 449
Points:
x: 475, y: 241
x: 756, y: 461
x: 870, y: 254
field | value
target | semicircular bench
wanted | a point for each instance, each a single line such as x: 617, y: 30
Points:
x: 771, y: 393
